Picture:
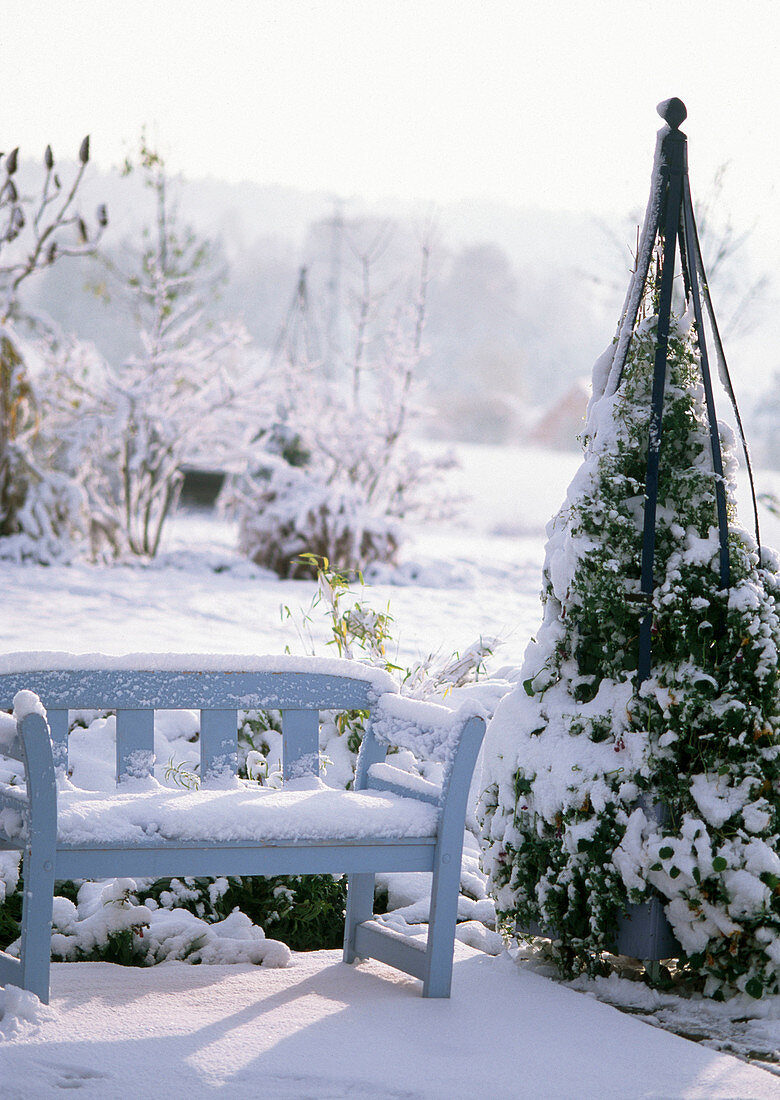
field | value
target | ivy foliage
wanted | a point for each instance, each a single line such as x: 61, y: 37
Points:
x: 601, y: 793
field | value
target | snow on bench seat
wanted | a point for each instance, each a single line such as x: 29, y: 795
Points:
x: 248, y: 813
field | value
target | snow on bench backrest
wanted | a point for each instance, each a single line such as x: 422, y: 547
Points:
x: 218, y: 686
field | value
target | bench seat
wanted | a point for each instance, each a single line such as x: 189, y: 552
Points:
x: 248, y: 813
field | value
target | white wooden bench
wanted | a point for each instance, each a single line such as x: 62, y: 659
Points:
x: 391, y: 821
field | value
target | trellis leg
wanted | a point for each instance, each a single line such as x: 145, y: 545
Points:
x: 673, y: 167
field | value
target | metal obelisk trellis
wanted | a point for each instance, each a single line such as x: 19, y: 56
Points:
x: 670, y: 216
x: 643, y: 931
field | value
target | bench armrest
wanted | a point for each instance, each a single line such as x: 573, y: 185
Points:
x: 36, y: 803
x: 428, y: 730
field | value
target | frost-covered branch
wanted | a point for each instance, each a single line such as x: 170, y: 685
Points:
x: 36, y: 231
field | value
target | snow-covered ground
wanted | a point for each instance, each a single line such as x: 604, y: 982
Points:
x: 319, y: 1028
x: 480, y: 576
x: 326, y: 1030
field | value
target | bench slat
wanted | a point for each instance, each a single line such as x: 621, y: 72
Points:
x: 134, y: 744
x: 218, y: 746
x: 349, y: 857
x: 301, y: 733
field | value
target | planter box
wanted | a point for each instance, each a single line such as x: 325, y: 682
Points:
x: 643, y: 933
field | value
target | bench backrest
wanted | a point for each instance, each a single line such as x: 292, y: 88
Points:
x: 218, y: 695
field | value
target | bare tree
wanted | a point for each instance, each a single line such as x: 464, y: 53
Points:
x: 163, y: 399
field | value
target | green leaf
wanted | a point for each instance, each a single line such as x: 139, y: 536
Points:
x: 529, y: 686
x: 755, y: 987
x: 666, y: 853
x: 674, y: 872
x: 719, y: 864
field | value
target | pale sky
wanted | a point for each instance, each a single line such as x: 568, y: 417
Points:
x: 527, y: 103
x: 443, y: 100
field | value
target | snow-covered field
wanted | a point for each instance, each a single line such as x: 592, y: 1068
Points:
x: 319, y: 1028
x: 456, y: 582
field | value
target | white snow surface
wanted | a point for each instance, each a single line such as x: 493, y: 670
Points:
x: 245, y: 813
x: 318, y: 1027
x: 27, y: 702
x: 197, y: 662
x: 321, y: 1028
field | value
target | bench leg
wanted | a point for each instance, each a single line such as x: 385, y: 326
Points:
x: 35, y: 950
x: 360, y: 907
x: 445, y: 889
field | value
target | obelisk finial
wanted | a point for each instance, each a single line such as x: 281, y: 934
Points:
x: 673, y: 111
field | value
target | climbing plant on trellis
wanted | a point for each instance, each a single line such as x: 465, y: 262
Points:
x: 634, y: 778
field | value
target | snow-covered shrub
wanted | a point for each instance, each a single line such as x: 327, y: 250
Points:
x: 287, y: 511
x: 305, y: 912
x: 353, y: 476
x: 599, y: 794
x: 53, y: 453
x: 121, y: 921
x: 52, y: 522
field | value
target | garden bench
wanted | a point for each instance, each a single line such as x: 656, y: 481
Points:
x: 390, y: 821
